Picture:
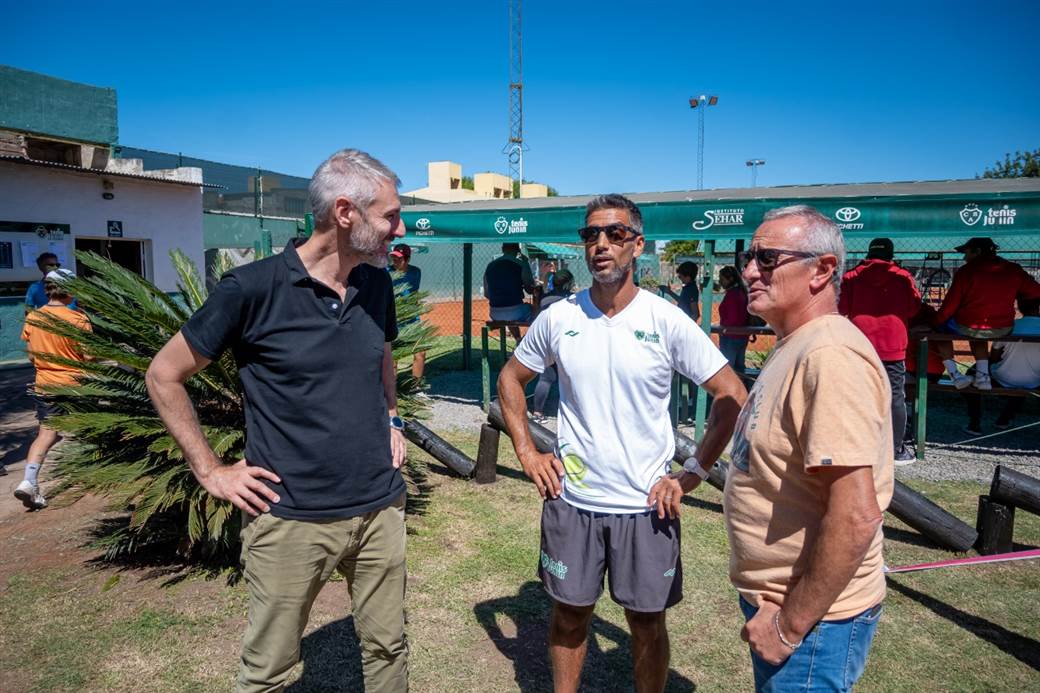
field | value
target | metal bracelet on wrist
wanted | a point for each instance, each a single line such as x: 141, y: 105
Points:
x: 780, y: 634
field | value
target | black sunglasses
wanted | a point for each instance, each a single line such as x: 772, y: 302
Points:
x: 768, y: 259
x: 618, y: 234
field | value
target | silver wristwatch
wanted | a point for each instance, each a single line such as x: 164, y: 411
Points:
x: 692, y: 466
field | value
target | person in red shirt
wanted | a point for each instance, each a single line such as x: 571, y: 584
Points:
x: 980, y: 304
x: 880, y: 298
x: 733, y: 313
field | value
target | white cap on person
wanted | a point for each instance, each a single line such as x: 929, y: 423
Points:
x: 59, y: 275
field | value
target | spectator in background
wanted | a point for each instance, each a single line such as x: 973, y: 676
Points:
x: 562, y: 288
x: 39, y: 343
x: 36, y: 295
x: 733, y: 313
x: 688, y: 298
x: 1015, y: 365
x: 506, y: 279
x: 880, y: 298
x: 980, y: 305
x: 411, y: 277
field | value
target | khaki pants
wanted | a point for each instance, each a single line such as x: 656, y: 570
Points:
x: 286, y: 564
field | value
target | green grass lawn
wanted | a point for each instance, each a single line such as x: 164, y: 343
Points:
x: 477, y: 615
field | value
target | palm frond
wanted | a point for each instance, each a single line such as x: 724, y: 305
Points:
x: 120, y: 449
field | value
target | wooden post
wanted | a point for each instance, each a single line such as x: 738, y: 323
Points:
x: 544, y: 439
x: 1015, y: 488
x: 502, y: 344
x: 996, y: 526
x: 440, y: 449
x: 929, y: 519
x: 487, y: 455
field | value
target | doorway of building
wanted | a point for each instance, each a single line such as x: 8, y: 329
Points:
x: 123, y: 252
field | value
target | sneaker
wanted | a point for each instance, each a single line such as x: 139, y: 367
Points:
x: 972, y: 430
x: 3, y: 470
x: 30, y: 496
x: 539, y: 418
x: 961, y: 381
x: 982, y: 381
x: 904, y: 457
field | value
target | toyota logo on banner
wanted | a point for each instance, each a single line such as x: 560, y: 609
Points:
x: 422, y: 224
x: 847, y: 214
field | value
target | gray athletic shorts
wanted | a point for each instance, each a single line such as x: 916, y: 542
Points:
x: 638, y: 552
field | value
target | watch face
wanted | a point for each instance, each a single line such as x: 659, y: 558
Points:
x: 396, y: 422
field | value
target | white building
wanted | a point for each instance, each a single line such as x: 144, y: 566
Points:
x: 62, y: 208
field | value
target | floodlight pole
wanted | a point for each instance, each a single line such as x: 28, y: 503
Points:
x: 702, y: 102
x: 753, y: 164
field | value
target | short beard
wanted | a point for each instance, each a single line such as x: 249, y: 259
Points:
x: 609, y: 276
x: 365, y: 242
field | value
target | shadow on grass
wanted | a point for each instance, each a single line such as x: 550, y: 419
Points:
x: 911, y: 538
x: 519, y: 626
x: 331, y: 659
x: 1022, y: 648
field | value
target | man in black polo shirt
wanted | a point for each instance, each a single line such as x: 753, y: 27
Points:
x: 320, y: 485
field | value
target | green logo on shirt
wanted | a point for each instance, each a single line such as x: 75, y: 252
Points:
x: 648, y: 337
x: 571, y: 333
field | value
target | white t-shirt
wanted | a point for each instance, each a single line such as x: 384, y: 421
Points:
x: 1020, y: 364
x: 615, y: 436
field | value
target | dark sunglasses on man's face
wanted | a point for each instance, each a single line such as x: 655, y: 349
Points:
x: 52, y: 264
x: 618, y: 234
x: 768, y: 259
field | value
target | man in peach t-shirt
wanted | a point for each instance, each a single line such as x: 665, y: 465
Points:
x: 811, y: 470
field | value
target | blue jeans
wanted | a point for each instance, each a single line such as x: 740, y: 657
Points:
x: 832, y: 656
x: 733, y: 349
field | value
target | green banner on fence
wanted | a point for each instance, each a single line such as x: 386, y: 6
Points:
x: 959, y: 216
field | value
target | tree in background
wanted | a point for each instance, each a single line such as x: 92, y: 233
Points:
x: 119, y: 448
x: 674, y: 249
x: 1023, y: 165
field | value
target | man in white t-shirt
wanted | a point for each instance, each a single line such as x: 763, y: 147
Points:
x: 611, y: 505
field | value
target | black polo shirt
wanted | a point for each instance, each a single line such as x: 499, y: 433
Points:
x: 311, y: 370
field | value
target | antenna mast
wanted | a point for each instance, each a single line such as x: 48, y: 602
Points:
x: 515, y: 147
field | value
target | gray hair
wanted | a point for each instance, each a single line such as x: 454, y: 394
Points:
x: 820, y: 236
x: 349, y: 173
x: 616, y: 201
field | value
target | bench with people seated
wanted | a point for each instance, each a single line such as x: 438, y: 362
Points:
x: 921, y: 376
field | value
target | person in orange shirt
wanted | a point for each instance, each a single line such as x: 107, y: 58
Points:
x: 48, y: 374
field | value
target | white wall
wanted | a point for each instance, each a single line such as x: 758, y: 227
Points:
x: 168, y: 215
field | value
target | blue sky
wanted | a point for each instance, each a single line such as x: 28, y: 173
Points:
x: 824, y: 91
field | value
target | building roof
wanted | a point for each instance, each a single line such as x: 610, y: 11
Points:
x: 101, y: 172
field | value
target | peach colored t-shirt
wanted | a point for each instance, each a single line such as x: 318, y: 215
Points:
x: 40, y: 341
x: 822, y: 399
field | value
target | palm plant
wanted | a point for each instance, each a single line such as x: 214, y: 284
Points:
x: 119, y: 448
